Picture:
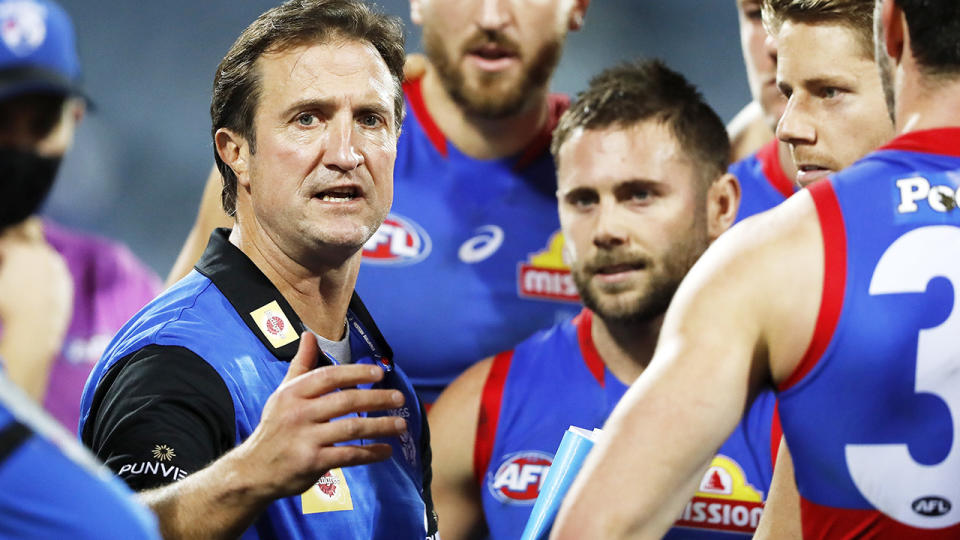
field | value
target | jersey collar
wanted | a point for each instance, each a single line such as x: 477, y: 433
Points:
x: 583, y: 322
x: 261, y: 306
x: 944, y: 141
x: 557, y: 104
x: 769, y: 157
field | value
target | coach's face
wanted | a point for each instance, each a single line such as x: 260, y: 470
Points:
x: 633, y: 212
x: 319, y: 179
x: 836, y: 111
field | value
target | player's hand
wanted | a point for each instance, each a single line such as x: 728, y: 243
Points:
x: 414, y: 66
x: 36, y: 304
x: 294, y: 443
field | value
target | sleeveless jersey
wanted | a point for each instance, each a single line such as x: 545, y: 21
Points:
x: 251, y: 353
x: 872, y: 413
x: 470, y: 251
x: 762, y: 182
x: 556, y: 379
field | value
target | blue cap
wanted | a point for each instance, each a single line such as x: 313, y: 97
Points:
x: 38, y: 51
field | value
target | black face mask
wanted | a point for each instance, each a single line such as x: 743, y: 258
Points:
x: 25, y: 181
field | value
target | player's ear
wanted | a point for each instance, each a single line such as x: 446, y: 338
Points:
x: 234, y: 151
x: 894, y: 29
x: 577, y: 13
x: 723, y: 202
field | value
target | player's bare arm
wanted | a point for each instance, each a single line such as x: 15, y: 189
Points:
x: 718, y: 345
x: 781, y: 511
x: 292, y: 446
x: 453, y: 422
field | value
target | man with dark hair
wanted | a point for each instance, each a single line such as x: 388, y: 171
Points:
x: 211, y: 392
x: 642, y: 191
x: 861, y: 343
x: 474, y: 211
x: 63, y: 293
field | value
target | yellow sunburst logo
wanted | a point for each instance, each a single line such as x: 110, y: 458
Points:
x: 163, y: 452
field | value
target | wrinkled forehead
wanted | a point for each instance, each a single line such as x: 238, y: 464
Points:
x: 328, y: 69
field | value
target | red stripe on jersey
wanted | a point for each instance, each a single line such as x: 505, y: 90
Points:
x: 769, y: 157
x: 557, y: 104
x: 944, y: 141
x: 834, y: 277
x: 776, y: 434
x: 584, y: 323
x: 414, y: 92
x: 490, y: 401
x: 849, y: 524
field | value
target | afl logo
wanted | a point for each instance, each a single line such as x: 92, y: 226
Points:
x: 519, y: 477
x: 931, y: 506
x: 398, y: 241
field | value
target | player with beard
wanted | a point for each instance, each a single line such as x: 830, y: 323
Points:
x: 861, y: 343
x: 474, y: 184
x: 641, y: 194
x: 63, y: 294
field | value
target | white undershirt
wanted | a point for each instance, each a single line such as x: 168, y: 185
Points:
x: 339, y: 350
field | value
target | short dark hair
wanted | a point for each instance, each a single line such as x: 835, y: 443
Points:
x: 236, y: 87
x: 633, y: 92
x: 857, y: 15
x: 934, y: 27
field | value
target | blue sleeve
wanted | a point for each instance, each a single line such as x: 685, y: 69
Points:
x: 45, y: 494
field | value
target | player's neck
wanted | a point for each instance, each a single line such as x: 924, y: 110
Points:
x: 928, y: 103
x: 626, y: 348
x: 478, y: 137
x: 319, y: 294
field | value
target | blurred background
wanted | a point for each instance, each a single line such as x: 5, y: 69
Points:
x: 142, y: 156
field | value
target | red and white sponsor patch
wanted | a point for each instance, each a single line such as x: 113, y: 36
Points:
x: 399, y: 240
x: 519, y: 477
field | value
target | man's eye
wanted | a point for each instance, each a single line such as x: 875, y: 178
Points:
x: 582, y: 201
x: 830, y: 92
x: 306, y: 119
x: 754, y: 14
x: 641, y: 195
x: 371, y: 120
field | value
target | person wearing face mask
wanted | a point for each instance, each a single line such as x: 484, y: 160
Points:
x: 63, y: 294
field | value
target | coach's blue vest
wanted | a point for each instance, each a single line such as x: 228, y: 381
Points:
x: 248, y: 334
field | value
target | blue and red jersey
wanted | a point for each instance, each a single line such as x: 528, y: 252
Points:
x: 470, y: 251
x: 872, y: 412
x: 763, y: 183
x: 556, y: 379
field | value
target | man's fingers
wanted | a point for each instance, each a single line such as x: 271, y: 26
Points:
x: 306, y: 357
x: 349, y: 455
x: 337, y: 404
x: 358, y: 427
x: 326, y: 379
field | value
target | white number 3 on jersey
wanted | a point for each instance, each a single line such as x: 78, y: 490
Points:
x: 923, y: 496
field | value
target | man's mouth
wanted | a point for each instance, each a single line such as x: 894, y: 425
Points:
x: 620, y: 268
x: 492, y: 51
x: 810, y: 173
x: 339, y: 194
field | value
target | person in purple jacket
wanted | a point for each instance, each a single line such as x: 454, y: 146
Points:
x: 63, y: 294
